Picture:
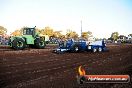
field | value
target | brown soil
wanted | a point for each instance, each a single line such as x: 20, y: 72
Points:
x: 40, y: 68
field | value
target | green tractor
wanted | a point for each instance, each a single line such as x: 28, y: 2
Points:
x: 29, y: 38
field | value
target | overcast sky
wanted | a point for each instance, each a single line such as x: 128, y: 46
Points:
x: 102, y: 17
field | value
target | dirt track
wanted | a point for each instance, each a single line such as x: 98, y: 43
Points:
x: 33, y: 68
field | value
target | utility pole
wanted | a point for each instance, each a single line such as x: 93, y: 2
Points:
x: 81, y: 29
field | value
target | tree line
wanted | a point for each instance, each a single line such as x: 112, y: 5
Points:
x: 50, y: 32
x: 57, y: 34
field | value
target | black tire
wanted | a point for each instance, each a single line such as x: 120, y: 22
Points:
x: 100, y: 49
x: 75, y: 48
x: 10, y: 43
x: 40, y: 43
x: 89, y: 48
x: 18, y: 44
x: 94, y: 49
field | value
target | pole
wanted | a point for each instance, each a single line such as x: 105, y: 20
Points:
x: 81, y: 29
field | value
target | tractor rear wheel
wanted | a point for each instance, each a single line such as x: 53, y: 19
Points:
x: 40, y: 43
x: 18, y: 44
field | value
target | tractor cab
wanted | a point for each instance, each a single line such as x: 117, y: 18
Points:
x: 29, y: 31
x: 66, y: 44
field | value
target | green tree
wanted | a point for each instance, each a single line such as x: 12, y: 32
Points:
x: 47, y: 31
x: 16, y: 33
x: 38, y: 30
x: 72, y: 34
x: 114, y: 36
x: 86, y: 35
x: 2, y: 30
x: 57, y: 34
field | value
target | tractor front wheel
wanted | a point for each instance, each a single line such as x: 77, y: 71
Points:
x: 18, y: 44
